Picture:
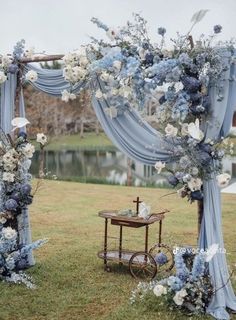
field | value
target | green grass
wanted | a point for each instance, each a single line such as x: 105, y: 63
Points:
x: 72, y: 284
x: 74, y: 142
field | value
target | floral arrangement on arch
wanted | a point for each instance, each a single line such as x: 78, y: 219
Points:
x: 15, y: 195
x: 134, y: 71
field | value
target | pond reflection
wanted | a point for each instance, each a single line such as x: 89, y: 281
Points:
x: 104, y: 166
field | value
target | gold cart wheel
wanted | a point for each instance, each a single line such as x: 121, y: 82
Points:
x: 142, y: 266
x: 163, y: 256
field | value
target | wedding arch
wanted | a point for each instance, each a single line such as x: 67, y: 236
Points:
x: 132, y: 69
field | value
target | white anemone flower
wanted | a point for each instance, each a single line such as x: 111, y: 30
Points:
x: 8, y: 177
x: 41, y: 138
x: 31, y: 76
x: 9, y: 233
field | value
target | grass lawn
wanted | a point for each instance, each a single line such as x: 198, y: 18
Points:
x: 72, y: 284
x: 73, y: 142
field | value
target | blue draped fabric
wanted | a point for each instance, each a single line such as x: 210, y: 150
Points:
x: 7, y: 106
x: 141, y: 142
x: 211, y: 228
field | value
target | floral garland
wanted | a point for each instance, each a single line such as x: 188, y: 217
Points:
x: 15, y: 195
x: 134, y: 71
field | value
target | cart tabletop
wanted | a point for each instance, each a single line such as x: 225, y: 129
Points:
x: 112, y: 214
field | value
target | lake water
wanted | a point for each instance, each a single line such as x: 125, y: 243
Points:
x: 104, y: 166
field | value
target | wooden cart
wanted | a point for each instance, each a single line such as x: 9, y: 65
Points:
x: 142, y: 264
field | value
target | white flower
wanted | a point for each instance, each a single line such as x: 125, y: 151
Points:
x: 179, y: 297
x: 28, y: 150
x: 117, y: 65
x: 99, y: 94
x: 125, y: 91
x: 111, y: 33
x: 159, y: 165
x: 6, y: 61
x: 66, y: 96
x: 223, y: 180
x: 194, y: 130
x: 19, y: 123
x: 211, y: 251
x: 70, y: 59
x: 3, y: 77
x: 144, y: 210
x: 41, y: 138
x: 29, y: 53
x: 9, y: 177
x: 170, y: 130
x: 195, y: 184
x: 104, y: 76
x: 31, y: 76
x: 3, y: 220
x: 114, y: 92
x: 9, y: 233
x: 159, y: 290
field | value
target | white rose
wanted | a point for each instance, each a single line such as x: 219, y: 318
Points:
x: 99, y: 94
x: 31, y: 76
x: 3, y: 77
x: 179, y: 297
x: 159, y: 290
x: 9, y: 233
x: 28, y: 150
x: 9, y: 177
x: 223, y: 180
x: 41, y: 138
x: 195, y: 184
x: 170, y: 130
x: 159, y: 165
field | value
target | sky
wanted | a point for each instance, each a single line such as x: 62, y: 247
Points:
x: 60, y: 26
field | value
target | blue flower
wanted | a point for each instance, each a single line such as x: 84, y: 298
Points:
x: 191, y: 84
x: 196, y: 195
x: 217, y: 28
x: 185, y: 59
x: 11, y: 205
x: 161, y: 258
x: 161, y: 31
x: 175, y: 283
x: 173, y: 180
x: 26, y: 189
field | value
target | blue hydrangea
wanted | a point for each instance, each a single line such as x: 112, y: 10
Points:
x: 182, y: 271
x: 161, y: 258
x: 185, y: 59
x: 175, y: 283
x: 161, y: 69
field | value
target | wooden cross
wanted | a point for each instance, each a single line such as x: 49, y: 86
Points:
x: 137, y: 204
